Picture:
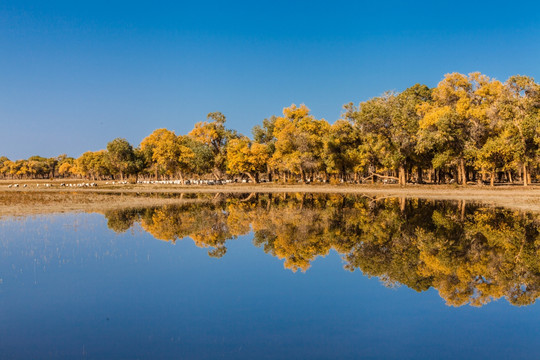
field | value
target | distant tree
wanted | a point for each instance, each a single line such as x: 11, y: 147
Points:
x: 247, y: 157
x: 148, y: 148
x: 265, y: 135
x: 495, y: 155
x: 299, y: 142
x: 93, y: 165
x: 214, y: 134
x: 167, y: 152
x: 139, y: 163
x: 445, y: 126
x: 388, y: 127
x: 520, y: 109
x: 341, y: 155
x: 4, y: 166
x: 202, y: 160
x: 121, y: 156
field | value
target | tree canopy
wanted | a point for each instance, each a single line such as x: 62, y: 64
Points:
x: 467, y: 129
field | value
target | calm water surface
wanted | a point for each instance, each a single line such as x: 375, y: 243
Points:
x: 283, y: 276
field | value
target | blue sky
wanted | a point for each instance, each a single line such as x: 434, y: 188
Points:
x: 77, y: 74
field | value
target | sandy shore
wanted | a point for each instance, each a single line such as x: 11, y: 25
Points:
x: 35, y: 199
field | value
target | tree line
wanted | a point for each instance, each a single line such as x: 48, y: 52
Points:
x: 469, y: 128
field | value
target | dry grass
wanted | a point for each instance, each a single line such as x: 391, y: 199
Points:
x: 37, y: 200
x: 32, y: 202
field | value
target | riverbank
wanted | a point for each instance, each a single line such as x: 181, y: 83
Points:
x: 37, y: 198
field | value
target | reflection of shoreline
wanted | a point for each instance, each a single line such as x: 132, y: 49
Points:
x: 27, y: 201
x: 469, y: 253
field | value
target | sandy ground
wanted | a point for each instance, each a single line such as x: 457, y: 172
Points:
x: 35, y: 199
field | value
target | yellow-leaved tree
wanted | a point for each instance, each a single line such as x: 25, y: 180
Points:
x: 214, y: 134
x: 247, y: 157
x: 299, y: 142
x: 168, y: 153
x: 149, y: 147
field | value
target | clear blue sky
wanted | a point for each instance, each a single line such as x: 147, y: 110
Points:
x: 76, y: 74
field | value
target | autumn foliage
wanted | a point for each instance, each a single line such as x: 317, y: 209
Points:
x: 468, y: 129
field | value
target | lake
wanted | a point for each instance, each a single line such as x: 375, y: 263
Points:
x: 282, y: 276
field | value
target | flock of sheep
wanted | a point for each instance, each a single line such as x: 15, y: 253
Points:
x: 195, y: 182
x: 186, y: 182
x: 151, y: 182
x: 51, y: 185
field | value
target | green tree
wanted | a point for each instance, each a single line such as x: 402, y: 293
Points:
x: 202, y: 161
x: 214, y: 134
x: 121, y: 156
x: 265, y: 135
x: 388, y: 126
x: 520, y: 108
x: 341, y: 154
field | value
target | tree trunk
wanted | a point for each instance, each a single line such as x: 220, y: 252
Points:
x: 251, y: 177
x: 419, y: 180
x: 401, y: 178
x: 268, y: 173
x: 492, y: 179
x: 463, y: 172
x: 525, y: 175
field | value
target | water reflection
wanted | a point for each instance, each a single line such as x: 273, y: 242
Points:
x: 471, y: 254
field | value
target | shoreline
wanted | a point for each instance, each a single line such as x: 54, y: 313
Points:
x: 34, y: 200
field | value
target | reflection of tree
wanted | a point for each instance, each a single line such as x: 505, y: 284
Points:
x: 489, y: 255
x: 471, y: 254
x: 121, y: 221
x: 205, y: 224
x: 287, y: 229
x: 385, y: 247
